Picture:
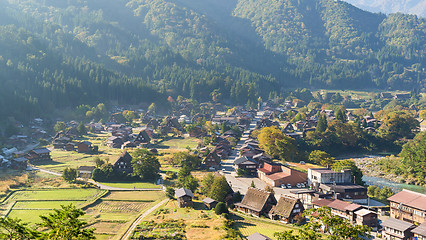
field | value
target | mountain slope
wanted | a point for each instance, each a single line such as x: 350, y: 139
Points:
x: 242, y: 48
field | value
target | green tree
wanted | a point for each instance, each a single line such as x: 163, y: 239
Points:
x: 152, y: 108
x: 186, y: 180
x: 335, y: 228
x: 220, y: 208
x: 252, y: 184
x: 170, y: 192
x: 320, y: 157
x: 145, y: 165
x: 13, y: 228
x: 64, y: 223
x: 207, y: 183
x: 322, y: 123
x: 81, y: 129
x: 186, y: 159
x: 349, y: 164
x: 69, y: 174
x: 340, y: 115
x: 59, y: 126
x: 219, y: 189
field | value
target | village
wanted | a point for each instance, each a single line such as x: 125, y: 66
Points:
x: 262, y: 181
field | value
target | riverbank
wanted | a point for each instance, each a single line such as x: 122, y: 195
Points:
x: 369, y: 168
x: 374, y: 176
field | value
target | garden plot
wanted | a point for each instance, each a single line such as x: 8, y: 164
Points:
x: 28, y: 205
x: 121, y: 207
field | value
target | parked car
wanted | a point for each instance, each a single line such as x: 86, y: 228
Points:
x: 283, y: 186
x: 298, y: 185
x: 289, y: 185
x: 302, y: 162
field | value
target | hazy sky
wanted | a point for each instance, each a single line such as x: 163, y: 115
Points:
x: 417, y: 7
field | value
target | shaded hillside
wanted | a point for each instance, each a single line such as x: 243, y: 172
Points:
x: 242, y: 48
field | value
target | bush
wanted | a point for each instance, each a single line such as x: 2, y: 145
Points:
x: 170, y: 192
x: 220, y: 208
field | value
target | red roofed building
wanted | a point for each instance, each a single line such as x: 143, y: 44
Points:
x: 275, y: 174
x: 408, y: 206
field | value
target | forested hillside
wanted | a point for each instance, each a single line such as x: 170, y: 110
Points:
x: 57, y: 53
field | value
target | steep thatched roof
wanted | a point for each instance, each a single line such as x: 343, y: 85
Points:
x: 255, y: 199
x: 285, y: 206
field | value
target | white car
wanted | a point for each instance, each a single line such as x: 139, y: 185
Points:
x: 283, y: 186
x: 289, y: 185
x: 298, y: 185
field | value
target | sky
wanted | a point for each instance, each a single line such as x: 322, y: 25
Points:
x: 417, y: 7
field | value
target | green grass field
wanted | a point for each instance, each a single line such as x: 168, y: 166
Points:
x: 249, y: 226
x: 135, y: 195
x: 32, y: 203
x: 57, y: 194
x: 178, y: 143
x: 29, y: 216
x: 47, y: 204
x: 131, y: 185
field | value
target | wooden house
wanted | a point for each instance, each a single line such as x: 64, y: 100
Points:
x: 124, y: 163
x: 209, y: 203
x: 19, y: 163
x: 247, y: 164
x: 257, y: 202
x: 258, y: 236
x: 184, y: 197
x: 40, y: 154
x: 420, y: 232
x: 367, y: 218
x: 408, y: 206
x: 288, y: 127
x: 114, y: 142
x: 143, y: 137
x: 85, y: 171
x: 212, y: 160
x: 286, y: 209
x: 84, y: 146
x: 395, y: 229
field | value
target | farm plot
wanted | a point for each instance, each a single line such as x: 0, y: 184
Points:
x: 248, y: 226
x: 28, y: 205
x: 121, y: 207
x: 135, y: 195
x: 57, y: 194
x: 197, y: 224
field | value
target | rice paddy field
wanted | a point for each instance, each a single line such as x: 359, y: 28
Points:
x: 110, y: 212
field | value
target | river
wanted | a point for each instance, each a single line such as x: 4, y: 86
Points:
x: 366, y: 164
x: 394, y: 185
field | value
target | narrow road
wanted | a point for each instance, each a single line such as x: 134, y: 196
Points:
x: 140, y: 218
x: 228, y: 170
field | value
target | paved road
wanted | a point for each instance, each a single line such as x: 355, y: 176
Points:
x: 140, y: 218
x: 101, y: 186
x: 241, y: 184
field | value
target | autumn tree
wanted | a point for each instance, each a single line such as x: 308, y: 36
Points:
x: 276, y: 143
x: 398, y: 124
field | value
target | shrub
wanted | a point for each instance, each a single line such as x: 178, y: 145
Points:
x: 220, y: 208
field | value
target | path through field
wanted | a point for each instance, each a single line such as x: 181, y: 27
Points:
x: 140, y: 218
